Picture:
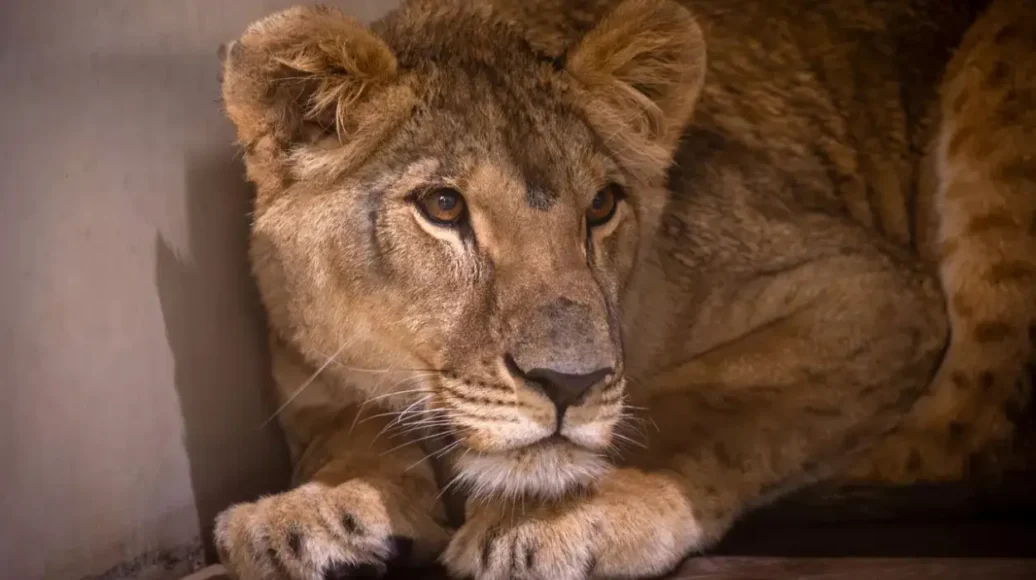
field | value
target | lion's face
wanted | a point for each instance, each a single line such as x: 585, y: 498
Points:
x: 476, y: 233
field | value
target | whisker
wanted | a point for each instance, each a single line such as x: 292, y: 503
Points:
x: 405, y: 429
x: 412, y: 405
x: 387, y: 369
x: 305, y: 384
x: 390, y: 370
x: 632, y: 423
x: 418, y: 440
x: 303, y: 387
x: 442, y: 452
x: 359, y: 410
x: 419, y: 416
x: 434, y: 429
x: 434, y: 455
x: 629, y: 440
x: 427, y: 423
x: 419, y: 429
x: 424, y: 424
x: 453, y: 480
x: 636, y: 423
x: 394, y: 393
x: 632, y: 415
x: 397, y: 419
x: 397, y: 414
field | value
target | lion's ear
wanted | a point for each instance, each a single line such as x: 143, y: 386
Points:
x: 642, y: 69
x: 299, y: 75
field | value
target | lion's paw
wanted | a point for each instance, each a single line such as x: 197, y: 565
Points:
x: 632, y: 525
x: 559, y: 545
x: 313, y: 532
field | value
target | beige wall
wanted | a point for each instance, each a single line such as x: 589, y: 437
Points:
x: 131, y: 347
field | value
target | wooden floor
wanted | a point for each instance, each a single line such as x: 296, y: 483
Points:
x: 755, y: 568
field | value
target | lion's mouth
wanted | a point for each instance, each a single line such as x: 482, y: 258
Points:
x: 556, y: 438
x: 548, y: 468
x: 549, y: 443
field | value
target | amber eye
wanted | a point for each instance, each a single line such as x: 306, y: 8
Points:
x: 443, y: 206
x: 603, y: 205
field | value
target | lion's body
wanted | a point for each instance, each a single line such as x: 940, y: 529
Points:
x: 837, y: 110
x: 825, y: 266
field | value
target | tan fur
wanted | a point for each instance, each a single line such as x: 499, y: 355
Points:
x: 824, y: 266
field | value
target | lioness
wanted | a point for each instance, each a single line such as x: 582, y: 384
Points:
x: 618, y: 271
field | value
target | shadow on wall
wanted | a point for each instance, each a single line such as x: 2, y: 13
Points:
x: 216, y: 332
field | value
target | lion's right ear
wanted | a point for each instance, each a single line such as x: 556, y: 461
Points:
x: 642, y: 69
x: 298, y: 77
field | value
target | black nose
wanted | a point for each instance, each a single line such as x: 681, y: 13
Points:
x: 564, y: 389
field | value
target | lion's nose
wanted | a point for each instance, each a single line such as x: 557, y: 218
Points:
x: 564, y: 389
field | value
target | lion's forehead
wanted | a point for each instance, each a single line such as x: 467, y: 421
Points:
x: 491, y: 142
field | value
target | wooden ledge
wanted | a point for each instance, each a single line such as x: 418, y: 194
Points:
x: 753, y: 568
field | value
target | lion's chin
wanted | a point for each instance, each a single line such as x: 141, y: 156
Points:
x: 547, y: 470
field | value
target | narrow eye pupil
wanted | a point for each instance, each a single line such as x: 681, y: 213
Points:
x: 599, y: 201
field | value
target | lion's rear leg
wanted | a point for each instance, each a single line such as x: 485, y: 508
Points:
x: 985, y: 161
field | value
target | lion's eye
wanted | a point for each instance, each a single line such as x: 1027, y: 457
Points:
x: 444, y: 206
x: 604, y: 204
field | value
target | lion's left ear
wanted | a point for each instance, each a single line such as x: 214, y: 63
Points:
x: 300, y: 76
x: 642, y: 70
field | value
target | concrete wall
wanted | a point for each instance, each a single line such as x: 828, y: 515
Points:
x: 132, y: 354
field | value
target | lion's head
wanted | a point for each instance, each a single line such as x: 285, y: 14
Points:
x: 454, y: 191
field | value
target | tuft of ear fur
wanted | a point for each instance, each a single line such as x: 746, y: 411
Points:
x: 299, y: 76
x: 642, y: 69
